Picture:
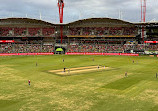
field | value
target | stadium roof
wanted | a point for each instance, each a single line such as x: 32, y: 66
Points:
x: 101, y: 20
x: 10, y: 21
x: 24, y: 20
x: 30, y: 20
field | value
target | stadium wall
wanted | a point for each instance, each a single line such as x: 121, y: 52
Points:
x: 12, y: 54
x: 116, y: 54
x: 69, y: 53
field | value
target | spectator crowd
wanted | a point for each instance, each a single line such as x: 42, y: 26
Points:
x: 106, y: 48
x: 101, y: 48
x: 5, y: 31
x: 25, y: 48
x: 102, y: 31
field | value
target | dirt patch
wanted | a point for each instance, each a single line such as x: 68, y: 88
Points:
x: 151, y: 95
x: 7, y: 97
x: 42, y: 85
x: 6, y: 65
x: 8, y: 73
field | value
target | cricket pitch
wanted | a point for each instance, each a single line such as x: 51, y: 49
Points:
x: 78, y: 70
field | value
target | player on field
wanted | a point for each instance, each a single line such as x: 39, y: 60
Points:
x: 98, y: 66
x: 125, y: 74
x: 63, y: 60
x: 36, y: 64
x: 29, y: 82
x: 156, y: 75
x: 133, y: 61
x: 64, y: 69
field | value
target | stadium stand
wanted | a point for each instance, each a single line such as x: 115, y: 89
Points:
x: 98, y: 35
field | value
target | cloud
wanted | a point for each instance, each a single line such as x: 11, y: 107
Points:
x: 77, y: 9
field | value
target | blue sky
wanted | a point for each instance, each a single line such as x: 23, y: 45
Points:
x: 78, y: 9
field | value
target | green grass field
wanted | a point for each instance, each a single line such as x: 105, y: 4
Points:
x: 100, y: 90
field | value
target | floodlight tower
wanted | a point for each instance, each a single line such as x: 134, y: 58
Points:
x: 61, y: 7
x: 143, y: 16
